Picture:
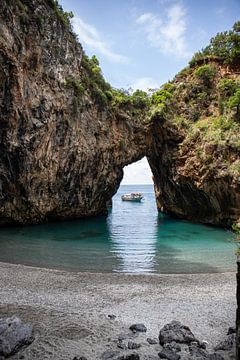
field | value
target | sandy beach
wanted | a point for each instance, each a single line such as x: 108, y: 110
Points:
x: 69, y: 310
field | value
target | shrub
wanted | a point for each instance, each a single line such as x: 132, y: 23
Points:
x: 234, y: 102
x: 64, y: 16
x: 206, y: 74
x: 140, y: 99
x: 161, y: 97
x: 76, y: 86
x: 227, y: 87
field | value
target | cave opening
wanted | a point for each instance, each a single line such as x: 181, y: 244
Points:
x: 138, y: 173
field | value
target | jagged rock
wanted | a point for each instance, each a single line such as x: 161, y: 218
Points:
x: 168, y: 354
x: 138, y: 328
x: 231, y: 330
x: 177, y: 332
x: 132, y: 345
x: 197, y: 352
x: 173, y: 346
x: 62, y: 153
x: 14, y: 334
x: 152, y: 341
x: 227, y: 344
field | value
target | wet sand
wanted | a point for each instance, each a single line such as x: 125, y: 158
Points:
x: 70, y: 310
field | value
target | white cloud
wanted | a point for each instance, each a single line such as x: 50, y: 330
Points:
x: 137, y: 173
x: 89, y: 35
x: 144, y: 84
x: 168, y: 34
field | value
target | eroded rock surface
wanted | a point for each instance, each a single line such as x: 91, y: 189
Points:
x: 63, y: 147
x: 60, y: 157
x: 14, y: 334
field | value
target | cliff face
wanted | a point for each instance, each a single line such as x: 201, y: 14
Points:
x: 195, y: 148
x: 63, y: 142
x: 60, y: 157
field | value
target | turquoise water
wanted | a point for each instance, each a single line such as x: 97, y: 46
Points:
x: 134, y: 238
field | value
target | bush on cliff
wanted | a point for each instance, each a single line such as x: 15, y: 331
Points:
x: 225, y: 47
x: 206, y: 74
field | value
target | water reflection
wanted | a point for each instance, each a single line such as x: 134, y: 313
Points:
x: 133, y: 239
x: 134, y: 233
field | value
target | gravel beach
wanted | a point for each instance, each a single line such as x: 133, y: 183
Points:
x: 69, y: 310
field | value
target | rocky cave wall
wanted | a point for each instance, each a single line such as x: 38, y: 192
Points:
x: 62, y: 161
x: 55, y: 162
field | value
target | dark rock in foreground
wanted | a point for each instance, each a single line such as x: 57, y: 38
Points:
x: 138, y: 328
x: 14, y: 335
x: 132, y: 345
x: 129, y: 357
x: 227, y: 344
x: 169, y: 354
x: 231, y: 330
x: 152, y: 341
x: 177, y: 332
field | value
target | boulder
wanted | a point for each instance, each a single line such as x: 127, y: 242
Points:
x: 169, y: 354
x: 138, y: 328
x: 231, y: 330
x: 14, y: 334
x: 175, y: 331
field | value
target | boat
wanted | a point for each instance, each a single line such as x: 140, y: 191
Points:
x: 135, y: 197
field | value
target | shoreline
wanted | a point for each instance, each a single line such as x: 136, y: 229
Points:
x: 69, y: 310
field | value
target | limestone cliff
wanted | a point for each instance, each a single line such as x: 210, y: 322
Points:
x: 66, y: 135
x: 62, y: 147
x: 195, y: 147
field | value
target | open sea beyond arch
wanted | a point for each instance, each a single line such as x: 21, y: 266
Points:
x: 134, y: 238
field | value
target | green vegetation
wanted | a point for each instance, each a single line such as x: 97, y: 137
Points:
x: 225, y: 47
x: 227, y: 87
x: 94, y: 80
x: 76, y: 86
x: 64, y: 16
x: 234, y: 103
x: 215, y: 130
x: 206, y: 74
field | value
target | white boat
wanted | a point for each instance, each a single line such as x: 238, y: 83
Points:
x: 136, y: 197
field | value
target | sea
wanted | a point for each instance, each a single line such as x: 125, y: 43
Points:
x: 134, y: 238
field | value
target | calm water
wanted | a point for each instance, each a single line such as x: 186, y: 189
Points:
x: 134, y: 238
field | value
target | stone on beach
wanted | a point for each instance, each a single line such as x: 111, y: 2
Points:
x: 152, y: 341
x: 168, y: 354
x: 138, y: 328
x: 175, y: 331
x: 132, y: 345
x: 14, y: 334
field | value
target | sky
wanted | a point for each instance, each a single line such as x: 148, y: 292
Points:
x: 144, y: 43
